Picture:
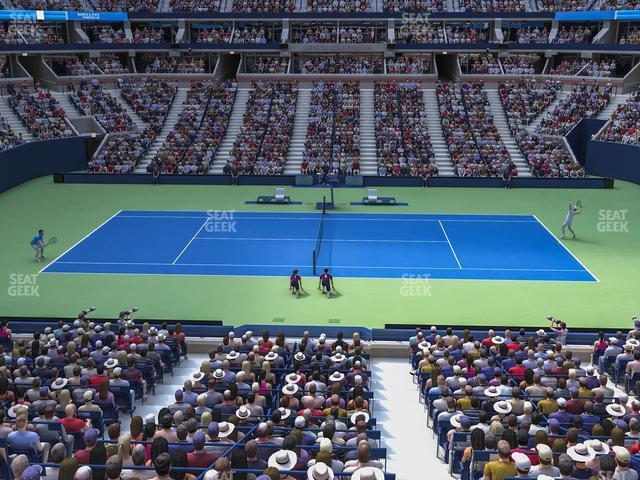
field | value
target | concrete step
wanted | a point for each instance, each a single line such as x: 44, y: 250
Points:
x: 235, y: 123
x: 299, y: 136
x: 172, y: 117
x: 368, y: 154
x: 440, y: 150
x: 14, y: 120
x: 137, y: 121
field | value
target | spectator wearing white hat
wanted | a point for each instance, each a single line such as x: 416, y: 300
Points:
x: 545, y: 467
x: 522, y: 463
x: 581, y: 454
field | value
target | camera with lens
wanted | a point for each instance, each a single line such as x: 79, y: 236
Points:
x: 89, y: 310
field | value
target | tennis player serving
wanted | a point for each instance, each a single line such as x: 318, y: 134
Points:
x: 326, y: 283
x: 568, y: 220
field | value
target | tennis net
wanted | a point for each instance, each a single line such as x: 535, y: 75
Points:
x: 318, y: 245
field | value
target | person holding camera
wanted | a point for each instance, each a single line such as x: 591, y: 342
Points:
x: 560, y: 329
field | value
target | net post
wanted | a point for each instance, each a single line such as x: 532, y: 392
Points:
x: 314, y: 262
x: 324, y: 204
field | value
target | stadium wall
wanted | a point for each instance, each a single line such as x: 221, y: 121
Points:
x: 615, y: 160
x: 36, y: 159
x: 580, y: 134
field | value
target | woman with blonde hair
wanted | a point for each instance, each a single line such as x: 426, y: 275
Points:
x: 356, y: 342
x: 71, y: 348
x: 205, y: 420
x: 122, y: 358
x: 496, y: 428
x: 246, y: 368
x: 64, y: 398
x: 205, y: 367
x: 124, y: 449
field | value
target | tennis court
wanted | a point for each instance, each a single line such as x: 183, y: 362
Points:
x: 482, y: 247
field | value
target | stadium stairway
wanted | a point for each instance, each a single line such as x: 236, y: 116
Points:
x: 65, y: 102
x: 549, y: 109
x: 172, y: 118
x: 368, y: 155
x: 235, y: 123
x: 137, y: 121
x: 440, y: 150
x: 16, y: 124
x: 500, y: 121
x: 165, y: 392
x: 615, y: 100
x: 300, y: 124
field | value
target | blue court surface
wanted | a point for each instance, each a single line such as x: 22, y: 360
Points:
x: 480, y: 247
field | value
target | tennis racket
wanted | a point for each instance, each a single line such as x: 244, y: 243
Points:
x: 52, y: 241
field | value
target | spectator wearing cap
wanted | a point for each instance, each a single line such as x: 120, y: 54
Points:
x: 545, y: 467
x: 88, y: 403
x: 561, y: 414
x: 90, y: 440
x: 522, y: 463
x: 199, y: 457
x: 502, y: 467
x: 78, y: 393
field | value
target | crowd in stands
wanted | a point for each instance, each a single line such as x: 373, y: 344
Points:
x: 165, y: 64
x: 495, y: 6
x: 65, y: 5
x: 402, y: 139
x: 315, y: 34
x: 262, y: 144
x: 466, y: 34
x: 523, y: 100
x: 617, y: 5
x: 479, y: 63
x: 605, y: 67
x: 8, y: 137
x: 261, y: 6
x: 624, y: 125
x: 72, y: 65
x: 271, y: 64
x: 111, y: 64
x: 146, y: 34
x: 574, y: 34
x: 584, y: 101
x: 562, y: 5
x: 40, y: 112
x: 526, y: 35
x: 213, y: 34
x: 251, y: 34
x: 630, y: 37
x: 548, y: 156
x: 192, y: 144
x: 356, y: 34
x: 568, y: 66
x: 523, y: 405
x: 350, y: 64
x: 106, y: 34
x: 422, y: 32
x: 333, y: 133
x: 16, y: 33
x: 121, y: 151
x: 410, y: 64
x: 259, y: 408
x: 519, y: 64
x: 337, y: 6
x: 474, y: 143
x: 150, y: 99
x: 417, y: 6
x: 197, y: 6
x: 130, y: 6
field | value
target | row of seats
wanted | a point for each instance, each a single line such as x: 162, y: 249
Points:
x: 523, y: 405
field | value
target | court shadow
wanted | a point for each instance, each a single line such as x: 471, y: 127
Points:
x: 335, y: 294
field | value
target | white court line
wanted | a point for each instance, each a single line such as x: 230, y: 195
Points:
x: 449, y: 242
x: 192, y: 239
x: 80, y: 241
x: 309, y: 266
x: 332, y: 218
x: 563, y: 246
x: 324, y: 240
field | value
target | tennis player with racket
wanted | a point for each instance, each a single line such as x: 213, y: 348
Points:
x: 568, y: 220
x: 39, y: 244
